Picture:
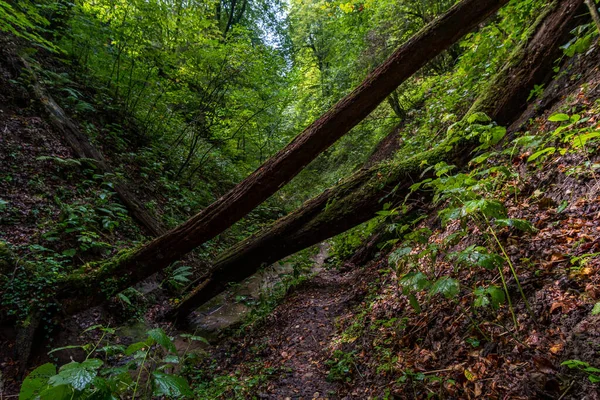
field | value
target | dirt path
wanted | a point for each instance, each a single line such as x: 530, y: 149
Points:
x: 304, y: 329
x: 295, y: 340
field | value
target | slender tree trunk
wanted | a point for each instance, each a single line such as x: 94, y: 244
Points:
x: 357, y: 199
x: 594, y: 12
x: 80, y: 290
x: 230, y: 19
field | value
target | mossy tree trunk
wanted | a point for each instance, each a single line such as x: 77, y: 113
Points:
x: 359, y: 197
x: 94, y: 283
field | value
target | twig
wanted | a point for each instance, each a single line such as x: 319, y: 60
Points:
x: 443, y: 370
x: 566, y: 390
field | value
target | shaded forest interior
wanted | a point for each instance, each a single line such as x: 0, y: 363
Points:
x: 235, y: 199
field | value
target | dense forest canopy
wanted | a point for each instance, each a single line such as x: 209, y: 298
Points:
x: 391, y: 177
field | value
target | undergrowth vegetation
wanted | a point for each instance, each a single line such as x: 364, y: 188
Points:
x: 186, y: 98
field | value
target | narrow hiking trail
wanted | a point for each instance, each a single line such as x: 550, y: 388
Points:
x: 295, y: 340
x: 303, y: 330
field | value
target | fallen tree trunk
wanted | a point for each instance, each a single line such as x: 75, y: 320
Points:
x: 358, y: 198
x: 83, y: 148
x: 79, y: 291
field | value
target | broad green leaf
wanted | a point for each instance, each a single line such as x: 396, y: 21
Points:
x: 519, y: 224
x: 398, y: 254
x: 489, y: 208
x: 596, y: 309
x: 60, y: 392
x: 171, y: 359
x: 575, y: 364
x: 134, y: 347
x: 415, y: 281
x: 171, y: 385
x: 526, y: 141
x: 112, y: 349
x: 497, y: 296
x: 581, y: 140
x: 481, y: 297
x: 559, y: 117
x: 160, y: 337
x: 69, y: 252
x: 36, y: 381
x: 446, y: 286
x: 77, y: 375
x: 535, y: 156
x: 480, y: 257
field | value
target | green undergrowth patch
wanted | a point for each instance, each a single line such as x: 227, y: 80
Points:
x: 214, y: 384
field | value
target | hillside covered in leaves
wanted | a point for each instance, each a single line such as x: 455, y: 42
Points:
x: 303, y: 199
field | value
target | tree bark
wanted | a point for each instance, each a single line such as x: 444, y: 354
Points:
x: 83, y: 148
x: 359, y: 197
x: 80, y: 290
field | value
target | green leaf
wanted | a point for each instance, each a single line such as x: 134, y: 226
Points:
x: 135, y: 347
x: 562, y: 207
x: 36, y: 381
x: 535, y: 156
x: 575, y: 364
x: 60, y: 392
x: 594, y: 378
x: 77, y: 375
x: 559, y: 117
x: 480, y: 257
x: 415, y: 281
x: 489, y: 208
x: 446, y: 286
x: 519, y: 224
x: 497, y: 296
x: 412, y: 300
x: 195, y: 338
x: 160, y: 337
x: 481, y: 297
x: 478, y: 117
x: 171, y: 359
x: 124, y: 298
x: 111, y: 350
x: 581, y: 140
x: 397, y: 255
x: 171, y: 385
x: 596, y: 309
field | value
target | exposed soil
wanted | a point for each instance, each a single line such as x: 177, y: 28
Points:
x: 295, y: 338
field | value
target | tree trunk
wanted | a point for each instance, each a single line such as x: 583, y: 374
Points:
x: 83, y: 148
x: 594, y: 12
x: 359, y: 197
x: 80, y: 290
